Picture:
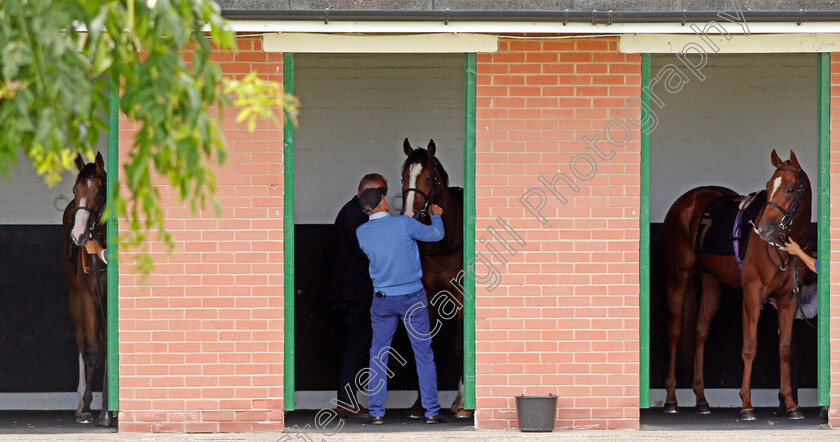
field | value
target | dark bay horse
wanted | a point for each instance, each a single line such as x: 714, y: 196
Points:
x: 425, y: 182
x: 86, y: 279
x: 768, y: 272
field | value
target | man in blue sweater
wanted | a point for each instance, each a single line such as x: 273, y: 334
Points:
x: 390, y: 245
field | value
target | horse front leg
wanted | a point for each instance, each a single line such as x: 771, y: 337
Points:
x: 91, y: 356
x: 749, y: 317
x: 709, y: 303
x: 82, y: 384
x: 458, y: 403
x: 786, y: 316
x: 105, y: 416
x: 85, y: 416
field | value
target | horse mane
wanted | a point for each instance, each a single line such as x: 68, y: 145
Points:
x: 421, y: 155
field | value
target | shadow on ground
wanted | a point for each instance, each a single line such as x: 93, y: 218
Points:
x: 727, y: 419
x: 395, y: 421
x: 46, y: 422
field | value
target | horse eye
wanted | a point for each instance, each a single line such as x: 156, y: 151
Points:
x: 402, y: 180
x: 790, y: 189
x: 428, y: 177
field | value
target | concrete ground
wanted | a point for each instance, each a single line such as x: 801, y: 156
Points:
x: 719, y: 426
x: 435, y: 436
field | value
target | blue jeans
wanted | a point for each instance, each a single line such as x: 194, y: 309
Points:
x: 385, y: 313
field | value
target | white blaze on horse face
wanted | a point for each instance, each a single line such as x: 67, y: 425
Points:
x: 413, y: 172
x: 80, y: 223
x: 776, y: 184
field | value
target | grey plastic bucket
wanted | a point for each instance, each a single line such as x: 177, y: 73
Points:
x: 536, y: 413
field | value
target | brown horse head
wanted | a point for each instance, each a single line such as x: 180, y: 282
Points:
x: 788, y: 196
x: 423, y: 179
x: 89, y: 198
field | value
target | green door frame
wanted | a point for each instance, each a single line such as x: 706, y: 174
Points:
x: 289, y: 242
x: 644, y: 247
x: 823, y: 229
x: 289, y: 237
x: 113, y: 266
x: 469, y: 229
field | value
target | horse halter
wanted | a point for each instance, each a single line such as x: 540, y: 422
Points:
x: 790, y: 213
x: 429, y: 198
x: 786, y: 221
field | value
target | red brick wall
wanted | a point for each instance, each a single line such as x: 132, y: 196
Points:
x: 201, y: 340
x: 834, y: 276
x: 564, y: 318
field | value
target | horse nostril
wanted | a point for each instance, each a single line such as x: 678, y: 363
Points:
x: 768, y: 233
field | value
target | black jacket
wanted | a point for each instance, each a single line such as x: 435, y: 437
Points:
x: 350, y: 280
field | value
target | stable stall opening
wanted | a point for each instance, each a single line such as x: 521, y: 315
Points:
x: 356, y: 110
x: 39, y: 367
x: 721, y: 131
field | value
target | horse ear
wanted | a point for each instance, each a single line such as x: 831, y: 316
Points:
x: 80, y: 162
x: 793, y: 161
x: 100, y: 163
x: 407, y: 147
x: 774, y: 159
x: 431, y: 148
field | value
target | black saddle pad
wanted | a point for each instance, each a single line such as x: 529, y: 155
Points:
x: 714, y: 237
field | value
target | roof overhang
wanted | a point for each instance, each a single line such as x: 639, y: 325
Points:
x: 500, y: 28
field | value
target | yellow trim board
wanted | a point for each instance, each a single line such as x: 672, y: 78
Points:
x: 736, y: 44
x: 298, y: 42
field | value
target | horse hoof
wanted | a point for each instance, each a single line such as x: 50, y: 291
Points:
x: 747, y: 415
x: 671, y: 408
x: 416, y: 413
x: 84, y: 418
x: 795, y: 413
x: 703, y: 408
x: 463, y: 414
x: 105, y: 419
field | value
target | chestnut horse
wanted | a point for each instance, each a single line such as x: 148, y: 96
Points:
x: 425, y: 182
x: 86, y: 279
x: 768, y: 272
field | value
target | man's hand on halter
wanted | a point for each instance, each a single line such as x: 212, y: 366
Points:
x: 94, y: 248
x: 794, y: 248
x: 436, y: 210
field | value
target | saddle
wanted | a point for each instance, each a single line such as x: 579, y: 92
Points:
x: 725, y: 225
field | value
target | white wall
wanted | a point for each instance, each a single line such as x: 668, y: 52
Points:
x: 721, y: 131
x: 26, y: 200
x: 357, y: 109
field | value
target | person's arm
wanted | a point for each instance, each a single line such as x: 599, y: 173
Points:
x: 347, y: 225
x: 809, y: 261
x: 427, y: 233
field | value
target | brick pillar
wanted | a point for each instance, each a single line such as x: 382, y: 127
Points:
x: 201, y: 339
x: 564, y: 317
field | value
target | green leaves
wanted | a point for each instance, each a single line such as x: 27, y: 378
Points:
x: 259, y: 99
x: 56, y: 59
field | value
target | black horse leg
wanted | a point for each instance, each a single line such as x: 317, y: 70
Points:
x: 105, y: 416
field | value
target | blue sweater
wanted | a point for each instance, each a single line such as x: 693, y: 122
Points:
x: 389, y: 243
